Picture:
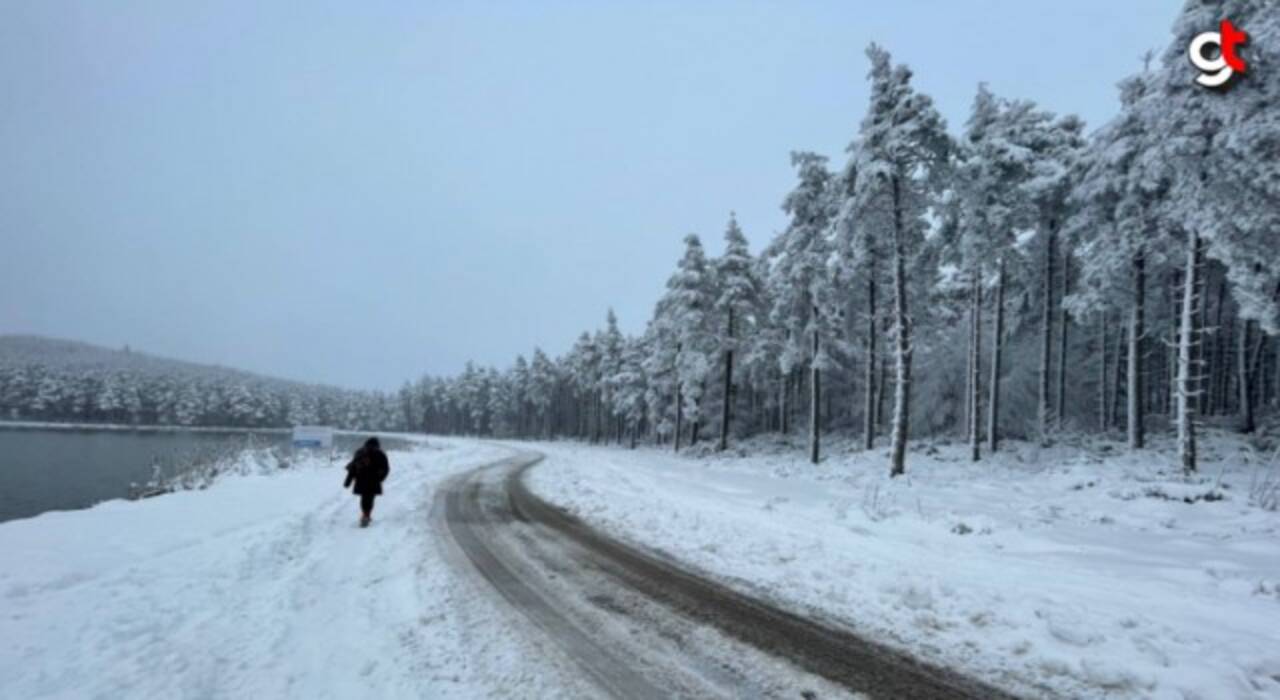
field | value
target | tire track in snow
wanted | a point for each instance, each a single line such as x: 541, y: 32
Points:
x: 550, y: 565
x: 467, y: 521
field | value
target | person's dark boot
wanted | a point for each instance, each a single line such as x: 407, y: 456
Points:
x: 364, y: 520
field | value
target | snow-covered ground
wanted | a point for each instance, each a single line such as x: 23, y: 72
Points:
x: 260, y: 586
x: 1075, y: 571
x: 1064, y: 571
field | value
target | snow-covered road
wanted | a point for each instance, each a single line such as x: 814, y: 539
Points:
x: 645, y: 626
x: 1052, y: 573
x: 262, y: 586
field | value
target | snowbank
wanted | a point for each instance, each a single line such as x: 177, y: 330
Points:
x: 1068, y: 571
x: 259, y: 586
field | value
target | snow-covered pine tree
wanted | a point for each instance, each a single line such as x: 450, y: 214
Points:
x: 610, y: 343
x: 762, y: 350
x: 901, y: 148
x: 990, y: 172
x: 681, y: 326
x: 501, y: 403
x: 583, y: 366
x: 520, y: 387
x: 542, y: 388
x: 858, y: 271
x: 630, y: 385
x: 1114, y: 225
x: 1055, y: 146
x: 800, y: 281
x: 659, y: 365
x: 737, y: 304
x: 1221, y: 143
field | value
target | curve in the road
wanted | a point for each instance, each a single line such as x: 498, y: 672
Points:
x: 838, y: 655
x: 467, y: 522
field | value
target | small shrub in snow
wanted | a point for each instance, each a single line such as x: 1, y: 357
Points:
x: 1265, y: 493
x: 199, y: 470
x: 1208, y: 496
x: 873, y: 505
x: 1264, y: 490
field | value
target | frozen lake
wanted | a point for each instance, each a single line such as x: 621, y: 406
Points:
x: 61, y: 469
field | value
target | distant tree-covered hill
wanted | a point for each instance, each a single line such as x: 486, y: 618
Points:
x: 50, y: 379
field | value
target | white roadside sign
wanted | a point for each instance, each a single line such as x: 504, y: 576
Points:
x: 317, y: 436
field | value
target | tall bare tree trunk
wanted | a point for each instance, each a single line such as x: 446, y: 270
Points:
x: 600, y: 417
x: 1137, y: 433
x: 1275, y: 375
x: 1202, y: 357
x: 815, y: 391
x: 997, y: 347
x: 1046, y: 332
x: 776, y: 418
x: 827, y: 411
x: 679, y: 408
x: 1253, y: 375
x: 1104, y: 420
x: 902, y: 391
x: 975, y: 378
x: 967, y: 417
x: 784, y: 410
x: 1064, y: 323
x: 1275, y: 380
x: 726, y: 412
x: 883, y: 390
x: 795, y: 389
x: 1170, y: 397
x: 1230, y: 362
x: 869, y: 415
x: 1117, y: 373
x: 697, y: 415
x: 759, y: 419
x: 1187, y: 340
x: 1244, y: 382
x: 1219, y: 368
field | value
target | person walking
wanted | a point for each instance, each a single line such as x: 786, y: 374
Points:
x: 367, y: 470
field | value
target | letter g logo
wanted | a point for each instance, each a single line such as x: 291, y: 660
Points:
x: 1215, y: 72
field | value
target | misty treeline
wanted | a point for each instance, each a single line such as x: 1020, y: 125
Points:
x: 43, y: 379
x: 1021, y: 277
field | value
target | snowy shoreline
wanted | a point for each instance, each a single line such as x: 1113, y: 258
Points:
x: 121, y: 462
x: 261, y: 586
x: 127, y: 427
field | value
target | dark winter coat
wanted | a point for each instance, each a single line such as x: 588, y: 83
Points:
x: 367, y: 470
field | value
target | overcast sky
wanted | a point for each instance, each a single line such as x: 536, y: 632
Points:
x: 357, y: 193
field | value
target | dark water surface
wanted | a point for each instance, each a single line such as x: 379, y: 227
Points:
x: 62, y: 469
